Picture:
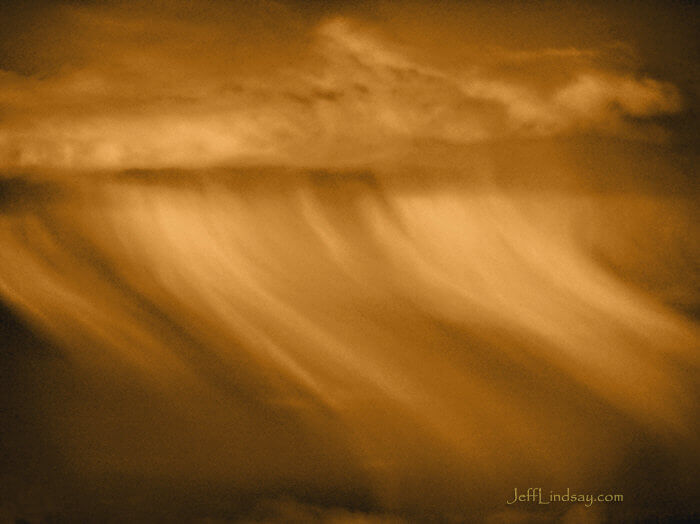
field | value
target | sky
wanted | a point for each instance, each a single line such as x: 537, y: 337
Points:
x: 148, y: 85
x: 348, y: 262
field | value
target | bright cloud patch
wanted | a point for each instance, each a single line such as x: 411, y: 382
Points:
x: 350, y: 95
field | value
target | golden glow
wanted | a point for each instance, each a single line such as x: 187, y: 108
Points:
x: 332, y: 272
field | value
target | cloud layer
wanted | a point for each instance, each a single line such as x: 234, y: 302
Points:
x: 135, y: 90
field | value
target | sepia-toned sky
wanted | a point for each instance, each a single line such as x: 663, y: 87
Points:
x: 348, y: 262
x: 114, y: 85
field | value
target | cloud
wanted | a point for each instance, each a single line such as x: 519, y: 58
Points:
x: 596, y: 101
x: 136, y: 91
x: 597, y: 96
